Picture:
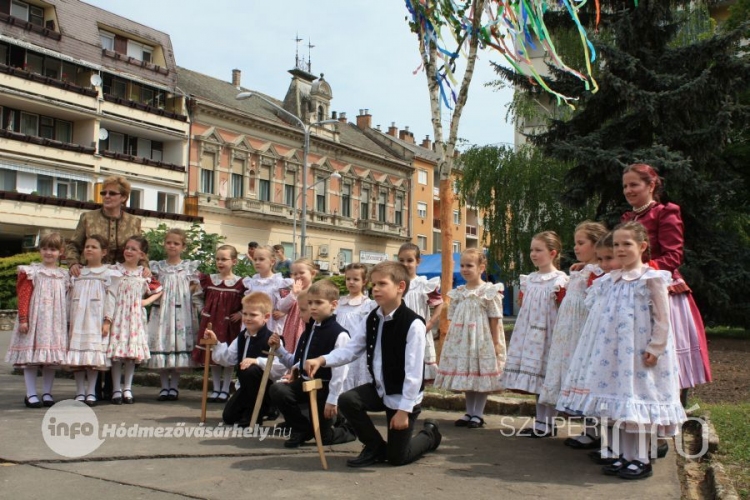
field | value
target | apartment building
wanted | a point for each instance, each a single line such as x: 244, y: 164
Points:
x: 85, y: 94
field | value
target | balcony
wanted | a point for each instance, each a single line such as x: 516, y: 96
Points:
x: 246, y: 207
x: 46, y: 80
x: 123, y: 101
x: 436, y: 193
x: 471, y: 231
x: 436, y: 224
x: 28, y: 26
x: 142, y: 160
x: 382, y: 229
x: 43, y: 141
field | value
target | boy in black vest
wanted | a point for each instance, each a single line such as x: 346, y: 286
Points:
x: 246, y: 352
x: 322, y: 334
x: 394, y: 340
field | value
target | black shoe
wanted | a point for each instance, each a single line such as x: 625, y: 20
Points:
x: 615, y: 468
x: 163, y: 395
x: 475, y: 422
x: 127, y: 399
x: 212, y: 397
x: 47, y: 402
x: 173, y: 395
x: 116, y: 398
x: 223, y: 397
x: 532, y: 432
x: 577, y: 445
x: 596, y: 456
x: 461, y: 422
x: 662, y: 449
x: 32, y: 404
x: 297, y: 439
x: 640, y: 471
x: 90, y: 401
x: 431, y: 427
x: 370, y: 455
x: 271, y: 414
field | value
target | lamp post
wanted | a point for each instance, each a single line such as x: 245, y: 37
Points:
x: 307, y: 129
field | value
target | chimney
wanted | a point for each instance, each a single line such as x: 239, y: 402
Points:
x: 364, y: 119
x: 393, y: 130
x: 426, y: 143
x: 236, y: 78
x: 334, y: 115
x: 405, y: 135
x: 342, y: 117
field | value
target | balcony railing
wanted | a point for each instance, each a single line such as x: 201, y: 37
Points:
x: 42, y: 30
x: 142, y: 160
x: 47, y: 80
x: 144, y: 107
x: 43, y: 141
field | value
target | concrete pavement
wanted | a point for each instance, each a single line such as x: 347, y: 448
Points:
x: 480, y: 463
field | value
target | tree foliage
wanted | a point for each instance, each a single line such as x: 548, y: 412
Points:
x: 672, y: 94
x: 9, y: 274
x: 518, y: 193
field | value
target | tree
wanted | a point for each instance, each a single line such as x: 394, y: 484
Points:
x: 674, y: 102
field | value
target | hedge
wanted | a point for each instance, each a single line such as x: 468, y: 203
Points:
x: 9, y: 276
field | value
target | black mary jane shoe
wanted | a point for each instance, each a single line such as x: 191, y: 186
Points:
x: 128, y: 400
x: 532, y: 432
x: 475, y: 422
x: 116, y: 398
x: 636, y: 470
x: 223, y: 397
x: 596, y: 456
x: 47, y: 403
x: 32, y: 404
x: 212, y: 398
x: 463, y: 422
x: 163, y: 395
x: 614, y: 469
x: 174, y: 395
x: 574, y: 443
x: 370, y: 455
x: 90, y: 400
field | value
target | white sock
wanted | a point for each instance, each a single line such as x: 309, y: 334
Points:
x: 469, y: 397
x: 480, y: 400
x: 29, y: 376
x: 80, y: 377
x: 164, y: 375
x: 609, y: 440
x: 544, y: 417
x: 643, y: 446
x: 227, y: 378
x: 629, y: 445
x: 117, y: 377
x: 48, y: 378
x: 91, y: 374
x: 174, y: 381
x: 129, y: 371
x: 216, y: 377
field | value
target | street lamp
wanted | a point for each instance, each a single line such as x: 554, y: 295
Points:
x: 306, y: 128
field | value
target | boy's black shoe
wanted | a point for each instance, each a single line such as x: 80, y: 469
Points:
x: 431, y: 427
x: 296, y: 439
x: 370, y: 455
x: 272, y: 413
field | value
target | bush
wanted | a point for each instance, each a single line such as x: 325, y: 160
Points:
x: 340, y: 281
x: 201, y: 246
x: 9, y: 277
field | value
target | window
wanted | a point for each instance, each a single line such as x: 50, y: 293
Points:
x: 399, y: 213
x: 422, y: 177
x: 44, y: 184
x: 107, y: 40
x: 455, y: 187
x: 207, y: 181
x: 347, y: 255
x: 346, y: 200
x: 47, y: 127
x: 382, y: 197
x: 289, y: 193
x: 52, y: 67
x: 237, y: 186
x: 136, y: 198
x: 34, y: 63
x: 320, y: 195
x: 157, y: 150
x: 264, y: 184
x: 30, y: 13
x: 7, y: 180
x: 421, y: 209
x: 166, y: 202
x: 457, y: 217
x: 456, y: 247
x: 140, y: 51
x: 116, y: 142
x: 422, y: 242
x: 29, y: 124
x: 364, y: 204
x: 69, y: 189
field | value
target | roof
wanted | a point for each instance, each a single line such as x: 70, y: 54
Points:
x: 419, y: 151
x: 79, y: 25
x: 224, y: 93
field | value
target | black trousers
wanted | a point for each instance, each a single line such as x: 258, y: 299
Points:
x: 103, y: 385
x: 402, y: 447
x: 240, y: 406
x: 290, y: 398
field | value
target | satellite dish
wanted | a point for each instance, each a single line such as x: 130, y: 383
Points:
x: 96, y: 80
x: 103, y: 134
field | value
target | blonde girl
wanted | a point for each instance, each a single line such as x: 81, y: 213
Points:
x: 40, y: 338
x: 303, y: 273
x: 351, y: 314
x: 473, y: 355
x: 172, y: 325
x: 222, y: 308
x: 125, y: 318
x: 87, y: 349
x: 422, y: 295
x: 270, y: 283
x: 541, y: 293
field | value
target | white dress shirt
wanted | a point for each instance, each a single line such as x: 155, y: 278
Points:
x: 228, y: 356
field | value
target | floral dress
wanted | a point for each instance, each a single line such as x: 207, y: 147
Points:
x: 222, y: 298
x: 528, y: 351
x: 87, y: 300
x: 271, y: 286
x: 566, y: 333
x: 42, y: 302
x: 468, y: 361
x: 351, y: 314
x: 614, y: 382
x: 127, y: 335
x: 172, y: 324
x: 423, y: 293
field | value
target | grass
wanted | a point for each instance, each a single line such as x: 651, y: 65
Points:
x: 732, y: 423
x: 728, y: 332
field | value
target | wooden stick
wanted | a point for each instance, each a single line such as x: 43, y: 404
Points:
x: 208, y: 343
x: 312, y: 387
x: 262, y: 388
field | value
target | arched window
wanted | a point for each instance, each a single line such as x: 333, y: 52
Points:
x: 320, y: 114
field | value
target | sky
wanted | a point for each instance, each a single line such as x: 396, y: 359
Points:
x: 364, y: 48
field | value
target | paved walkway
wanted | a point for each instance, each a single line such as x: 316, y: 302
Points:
x: 474, y: 464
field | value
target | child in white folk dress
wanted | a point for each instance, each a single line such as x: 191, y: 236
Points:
x: 266, y: 281
x: 88, y: 345
x: 172, y: 324
x: 473, y: 355
x: 541, y: 294
x: 639, y: 390
x: 125, y: 318
x: 570, y: 320
x: 40, y: 338
x: 423, y: 294
x: 351, y: 313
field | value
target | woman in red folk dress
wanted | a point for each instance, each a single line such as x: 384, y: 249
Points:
x: 663, y: 221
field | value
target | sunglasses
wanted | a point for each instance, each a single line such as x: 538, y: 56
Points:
x: 109, y: 193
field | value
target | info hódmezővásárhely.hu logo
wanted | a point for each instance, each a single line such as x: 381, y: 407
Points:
x: 71, y: 429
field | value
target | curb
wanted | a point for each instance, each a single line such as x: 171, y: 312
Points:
x: 717, y: 479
